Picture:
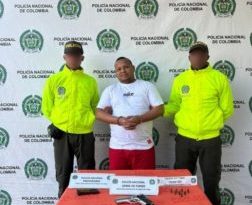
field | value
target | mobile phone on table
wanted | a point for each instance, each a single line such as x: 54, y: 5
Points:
x: 87, y: 191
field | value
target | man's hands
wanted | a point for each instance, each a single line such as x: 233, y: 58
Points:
x: 130, y: 122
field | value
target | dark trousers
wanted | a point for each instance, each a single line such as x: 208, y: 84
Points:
x: 65, y: 148
x: 209, y: 154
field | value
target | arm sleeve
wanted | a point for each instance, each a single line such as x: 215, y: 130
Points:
x: 154, y: 96
x: 95, y: 98
x: 174, y: 101
x: 105, y: 100
x: 226, y: 100
x: 47, y: 99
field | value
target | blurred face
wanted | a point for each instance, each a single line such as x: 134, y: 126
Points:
x: 198, y: 59
x: 124, y: 71
x: 73, y: 61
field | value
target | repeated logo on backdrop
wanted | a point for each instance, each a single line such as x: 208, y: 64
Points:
x: 5, y: 198
x: 4, y: 138
x: 250, y: 168
x: 147, y: 71
x: 104, y: 164
x: 32, y: 106
x: 227, y: 197
x: 35, y: 169
x: 31, y: 41
x: 155, y: 136
x: 227, y: 136
x: 108, y: 40
x: 3, y: 74
x: 250, y: 104
x: 226, y: 67
x: 223, y: 8
x: 69, y: 9
x: 1, y: 8
x: 184, y: 38
x: 146, y: 9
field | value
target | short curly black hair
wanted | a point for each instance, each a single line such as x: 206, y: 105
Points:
x: 124, y: 58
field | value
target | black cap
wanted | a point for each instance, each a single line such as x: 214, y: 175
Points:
x: 73, y: 47
x: 199, y: 46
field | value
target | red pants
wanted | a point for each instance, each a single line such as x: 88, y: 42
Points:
x: 131, y: 159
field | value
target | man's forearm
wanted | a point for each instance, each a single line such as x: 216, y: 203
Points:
x: 148, y: 116
x: 106, y: 117
x: 152, y: 114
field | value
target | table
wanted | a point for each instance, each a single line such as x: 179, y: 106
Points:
x: 182, y: 195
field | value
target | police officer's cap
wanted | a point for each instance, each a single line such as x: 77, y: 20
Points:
x: 73, y: 47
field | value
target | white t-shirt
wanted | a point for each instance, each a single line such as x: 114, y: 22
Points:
x: 130, y: 100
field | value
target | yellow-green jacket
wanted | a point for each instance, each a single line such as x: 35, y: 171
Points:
x: 201, y: 101
x: 69, y: 101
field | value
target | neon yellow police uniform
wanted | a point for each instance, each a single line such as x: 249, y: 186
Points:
x: 69, y: 101
x: 201, y: 101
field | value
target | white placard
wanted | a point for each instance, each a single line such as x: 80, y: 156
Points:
x: 178, y: 181
x: 134, y: 185
x: 90, y: 180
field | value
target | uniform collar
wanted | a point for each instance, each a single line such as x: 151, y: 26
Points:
x: 204, y: 70
x: 67, y: 70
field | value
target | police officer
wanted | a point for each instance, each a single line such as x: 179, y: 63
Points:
x: 202, y: 101
x: 69, y: 101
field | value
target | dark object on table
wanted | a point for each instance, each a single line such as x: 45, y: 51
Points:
x: 87, y: 191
